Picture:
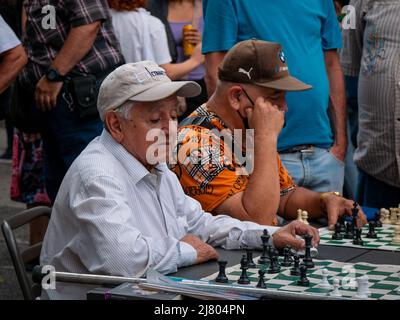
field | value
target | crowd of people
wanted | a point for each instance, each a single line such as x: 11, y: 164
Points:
x: 317, y: 102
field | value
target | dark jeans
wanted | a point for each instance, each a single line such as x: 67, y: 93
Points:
x: 64, y: 137
x: 374, y: 193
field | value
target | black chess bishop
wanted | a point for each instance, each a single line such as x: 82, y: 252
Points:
x: 295, y: 271
x: 287, y: 258
x: 307, y: 260
x: 357, y: 238
x: 261, y: 280
x: 349, y: 231
x: 250, y: 262
x: 274, y: 266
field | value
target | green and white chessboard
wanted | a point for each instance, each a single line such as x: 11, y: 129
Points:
x: 384, y: 280
x: 383, y: 242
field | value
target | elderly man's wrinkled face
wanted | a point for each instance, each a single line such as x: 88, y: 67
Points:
x: 148, y: 129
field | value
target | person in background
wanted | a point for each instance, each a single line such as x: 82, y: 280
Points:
x: 65, y: 69
x: 143, y: 37
x: 371, y: 53
x: 313, y: 143
x: 176, y: 14
x: 12, y: 60
x: 351, y: 83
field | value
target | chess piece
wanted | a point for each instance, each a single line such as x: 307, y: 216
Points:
x: 250, y: 262
x: 299, y: 215
x: 362, y: 288
x: 266, y: 247
x: 324, y: 284
x: 349, y: 231
x: 222, y: 278
x: 342, y: 220
x: 303, y: 281
x: 261, y: 281
x: 377, y: 219
x: 396, y: 237
x: 274, y: 266
x: 287, y: 259
x: 304, y: 217
x: 244, y: 279
x: 307, y: 260
x: 337, y: 235
x: 335, y: 292
x: 295, y: 271
x: 354, y: 215
x: 371, y: 231
x: 393, y: 215
x: 385, y: 214
x: 357, y: 238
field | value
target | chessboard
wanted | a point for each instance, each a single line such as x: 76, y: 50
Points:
x: 384, y: 280
x: 382, y: 242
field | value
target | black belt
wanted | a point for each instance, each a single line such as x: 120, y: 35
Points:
x: 302, y: 148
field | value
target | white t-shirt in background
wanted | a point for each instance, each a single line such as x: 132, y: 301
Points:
x: 141, y: 36
x: 8, y: 39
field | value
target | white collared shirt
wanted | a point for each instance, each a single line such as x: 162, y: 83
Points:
x: 112, y: 216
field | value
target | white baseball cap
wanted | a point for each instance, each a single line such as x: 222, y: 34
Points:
x: 143, y: 82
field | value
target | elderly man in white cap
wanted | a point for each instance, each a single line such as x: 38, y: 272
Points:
x: 119, y: 214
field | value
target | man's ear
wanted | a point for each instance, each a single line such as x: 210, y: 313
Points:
x: 234, y: 94
x: 114, y: 126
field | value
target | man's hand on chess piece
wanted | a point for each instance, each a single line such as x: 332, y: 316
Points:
x: 335, y: 206
x: 204, y: 251
x: 289, y: 235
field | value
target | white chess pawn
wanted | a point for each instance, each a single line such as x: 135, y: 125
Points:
x: 396, y: 237
x: 304, y: 217
x: 362, y: 288
x: 324, y: 284
x: 385, y: 214
x: 335, y: 292
x: 393, y: 215
x: 299, y: 215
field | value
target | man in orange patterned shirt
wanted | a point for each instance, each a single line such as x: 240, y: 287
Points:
x: 220, y: 173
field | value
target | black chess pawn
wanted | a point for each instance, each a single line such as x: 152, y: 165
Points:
x: 222, y: 278
x: 250, y: 262
x: 287, y: 258
x: 295, y: 271
x: 303, y: 281
x: 265, y: 246
x: 307, y: 260
x: 274, y: 266
x: 371, y: 231
x: 349, y: 231
x: 244, y: 279
x: 342, y: 222
x: 261, y: 281
x: 377, y: 219
x: 354, y: 214
x: 357, y: 238
x: 337, y: 235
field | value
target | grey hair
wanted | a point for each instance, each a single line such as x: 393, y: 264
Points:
x: 125, y: 109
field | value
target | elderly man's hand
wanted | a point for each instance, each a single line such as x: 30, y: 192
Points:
x: 46, y: 94
x: 204, y: 251
x: 287, y: 235
x: 336, y: 206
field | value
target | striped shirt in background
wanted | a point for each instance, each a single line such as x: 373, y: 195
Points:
x: 372, y: 52
x: 43, y: 44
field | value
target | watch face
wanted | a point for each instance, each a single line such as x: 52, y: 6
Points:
x: 51, y: 74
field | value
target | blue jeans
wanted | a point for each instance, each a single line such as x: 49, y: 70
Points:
x: 315, y: 169
x: 64, y: 137
x: 374, y: 193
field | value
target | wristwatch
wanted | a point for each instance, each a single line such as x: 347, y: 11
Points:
x: 54, y: 76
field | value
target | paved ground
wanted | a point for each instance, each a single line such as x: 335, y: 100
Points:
x: 9, y: 288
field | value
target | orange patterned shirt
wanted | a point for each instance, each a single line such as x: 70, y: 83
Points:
x: 205, y: 167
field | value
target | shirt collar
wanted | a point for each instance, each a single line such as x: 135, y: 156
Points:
x: 134, y: 167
